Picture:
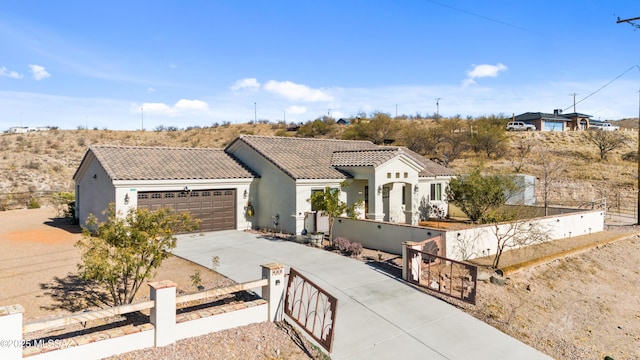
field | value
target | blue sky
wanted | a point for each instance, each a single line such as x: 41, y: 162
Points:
x: 122, y: 64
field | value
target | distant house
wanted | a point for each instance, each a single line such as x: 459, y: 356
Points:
x: 18, y: 130
x: 343, y: 121
x: 556, y: 121
x: 26, y: 129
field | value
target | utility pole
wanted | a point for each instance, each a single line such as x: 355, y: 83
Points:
x: 396, y: 111
x: 255, y: 113
x: 631, y: 21
x: 141, y: 119
x: 574, y: 101
x: 438, y: 108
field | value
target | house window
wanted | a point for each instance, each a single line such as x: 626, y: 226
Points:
x: 388, y: 175
x: 406, y: 175
x: 182, y: 195
x: 156, y: 196
x: 397, y: 175
x: 169, y: 195
x: 313, y: 207
x: 404, y: 195
x: 143, y: 196
x: 436, y: 192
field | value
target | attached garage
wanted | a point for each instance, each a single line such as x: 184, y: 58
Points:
x: 215, y: 208
x: 210, y: 184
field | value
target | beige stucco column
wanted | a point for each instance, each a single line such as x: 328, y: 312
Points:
x: 11, y: 332
x: 273, y: 292
x: 163, y: 313
x: 376, y: 209
x: 416, y: 261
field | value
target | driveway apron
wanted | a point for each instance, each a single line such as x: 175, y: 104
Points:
x: 378, y: 317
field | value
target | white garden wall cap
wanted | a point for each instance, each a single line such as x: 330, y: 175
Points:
x: 162, y: 284
x: 273, y: 266
x: 165, y: 163
x: 11, y: 309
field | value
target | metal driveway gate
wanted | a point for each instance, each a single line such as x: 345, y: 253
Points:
x: 442, y: 275
x: 311, y: 307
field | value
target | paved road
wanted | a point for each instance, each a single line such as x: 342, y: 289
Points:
x: 378, y: 317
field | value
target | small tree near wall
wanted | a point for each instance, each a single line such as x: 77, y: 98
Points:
x: 126, y: 250
x: 328, y: 201
x: 477, y: 195
x: 515, y: 233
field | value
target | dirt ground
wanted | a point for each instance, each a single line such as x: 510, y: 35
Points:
x: 572, y: 304
x: 38, y: 267
x: 39, y: 262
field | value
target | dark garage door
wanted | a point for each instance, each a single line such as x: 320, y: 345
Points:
x: 216, y: 209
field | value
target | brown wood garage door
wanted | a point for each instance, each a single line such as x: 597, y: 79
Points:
x: 216, y: 209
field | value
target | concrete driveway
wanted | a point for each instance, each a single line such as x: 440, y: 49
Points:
x: 378, y: 317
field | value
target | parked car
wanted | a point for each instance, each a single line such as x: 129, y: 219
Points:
x: 604, y: 127
x: 520, y: 126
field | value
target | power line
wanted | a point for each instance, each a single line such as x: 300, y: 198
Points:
x: 483, y: 17
x: 602, y: 87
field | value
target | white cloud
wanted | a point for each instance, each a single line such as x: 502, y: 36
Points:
x: 180, y: 107
x: 484, y: 70
x: 197, y: 105
x: 298, y: 92
x: 295, y: 109
x: 10, y: 74
x: 154, y: 108
x: 38, y: 72
x: 173, y: 66
x: 151, y: 89
x: 337, y: 115
x: 247, y: 83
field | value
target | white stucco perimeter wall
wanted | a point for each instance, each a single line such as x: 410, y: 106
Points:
x: 481, y: 241
x: 383, y: 236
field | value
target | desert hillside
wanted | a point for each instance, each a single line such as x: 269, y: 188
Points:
x: 37, y: 164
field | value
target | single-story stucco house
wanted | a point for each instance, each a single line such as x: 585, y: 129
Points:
x: 260, y: 182
x: 556, y: 121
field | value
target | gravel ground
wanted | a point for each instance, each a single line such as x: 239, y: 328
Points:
x: 37, y: 267
x: 258, y: 341
x: 583, y: 306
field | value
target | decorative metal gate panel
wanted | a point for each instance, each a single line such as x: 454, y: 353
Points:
x: 312, y: 308
x: 445, y: 276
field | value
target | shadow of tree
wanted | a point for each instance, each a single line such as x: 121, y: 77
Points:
x: 73, y: 294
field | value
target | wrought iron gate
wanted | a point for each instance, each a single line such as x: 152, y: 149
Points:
x: 445, y: 276
x: 312, y: 308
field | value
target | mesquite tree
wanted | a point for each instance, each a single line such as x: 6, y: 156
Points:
x: 122, y: 252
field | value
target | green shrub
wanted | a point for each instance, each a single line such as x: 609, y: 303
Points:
x: 33, y: 204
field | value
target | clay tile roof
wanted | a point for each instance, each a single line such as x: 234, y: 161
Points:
x: 364, y: 157
x: 305, y: 158
x: 163, y: 163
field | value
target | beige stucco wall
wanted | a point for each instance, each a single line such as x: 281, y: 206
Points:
x: 381, y: 236
x: 275, y: 193
x: 93, y: 195
x: 481, y: 240
x: 131, y: 188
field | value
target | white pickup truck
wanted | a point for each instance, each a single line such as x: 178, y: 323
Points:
x: 604, y: 127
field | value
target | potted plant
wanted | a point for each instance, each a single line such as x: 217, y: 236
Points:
x: 316, y: 238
